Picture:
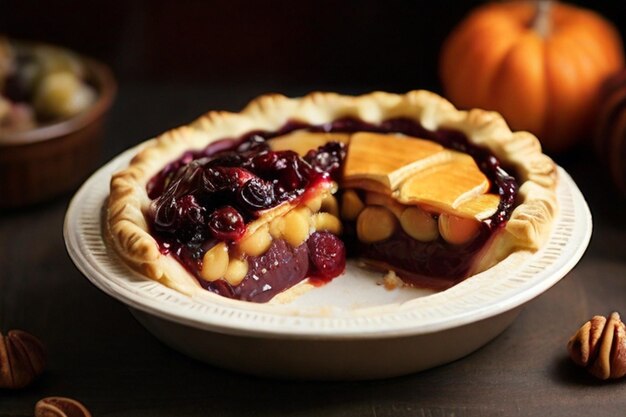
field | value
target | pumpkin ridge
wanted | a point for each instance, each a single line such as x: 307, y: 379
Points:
x: 461, y: 49
x: 490, y: 74
x: 565, y: 16
x: 480, y: 81
x: 564, y: 92
x: 597, y: 49
x: 592, y: 25
x: 501, y: 89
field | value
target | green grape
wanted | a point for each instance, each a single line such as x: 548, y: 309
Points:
x: 62, y: 95
x: 54, y: 59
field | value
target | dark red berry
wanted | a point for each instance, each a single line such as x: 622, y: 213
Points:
x: 292, y: 172
x: 507, y: 188
x: 489, y: 164
x: 256, y: 195
x: 217, y: 179
x: 327, y: 255
x: 226, y: 159
x: 327, y: 158
x: 226, y: 223
x: 264, y: 162
x: 183, y: 217
x: 191, y: 219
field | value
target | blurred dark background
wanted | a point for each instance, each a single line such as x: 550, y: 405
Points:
x: 271, y: 45
x: 175, y: 60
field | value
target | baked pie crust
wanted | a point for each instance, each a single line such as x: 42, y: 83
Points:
x: 527, y: 229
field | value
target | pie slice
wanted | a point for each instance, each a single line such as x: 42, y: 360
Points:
x: 384, y: 161
x: 248, y: 205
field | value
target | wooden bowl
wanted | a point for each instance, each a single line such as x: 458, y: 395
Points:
x: 39, y: 164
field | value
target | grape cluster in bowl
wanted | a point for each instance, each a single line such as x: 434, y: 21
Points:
x: 40, y: 84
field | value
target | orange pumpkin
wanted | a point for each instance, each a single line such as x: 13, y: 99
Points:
x: 539, y: 63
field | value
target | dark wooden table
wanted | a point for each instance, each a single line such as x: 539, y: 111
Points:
x: 101, y: 356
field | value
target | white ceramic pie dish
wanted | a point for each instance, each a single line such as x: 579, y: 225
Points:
x: 352, y: 328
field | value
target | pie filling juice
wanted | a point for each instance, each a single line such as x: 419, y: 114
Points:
x: 204, y: 202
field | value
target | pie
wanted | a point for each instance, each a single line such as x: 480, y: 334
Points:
x: 247, y: 205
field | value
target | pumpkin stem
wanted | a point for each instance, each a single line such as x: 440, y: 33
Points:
x: 541, y: 22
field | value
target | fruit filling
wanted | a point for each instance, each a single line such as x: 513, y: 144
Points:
x: 239, y: 218
x: 250, y: 217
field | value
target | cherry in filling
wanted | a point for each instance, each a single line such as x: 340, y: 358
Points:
x: 212, y: 195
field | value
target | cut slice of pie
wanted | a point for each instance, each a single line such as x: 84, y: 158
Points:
x: 248, y: 205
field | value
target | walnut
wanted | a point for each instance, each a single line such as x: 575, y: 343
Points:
x: 60, y: 407
x: 22, y: 359
x: 600, y: 347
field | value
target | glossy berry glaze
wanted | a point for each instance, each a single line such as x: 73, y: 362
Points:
x: 210, y: 196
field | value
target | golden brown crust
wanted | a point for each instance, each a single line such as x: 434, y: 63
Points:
x: 527, y: 229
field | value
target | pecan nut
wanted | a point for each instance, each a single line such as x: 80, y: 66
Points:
x: 600, y: 347
x: 60, y: 407
x: 22, y: 359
